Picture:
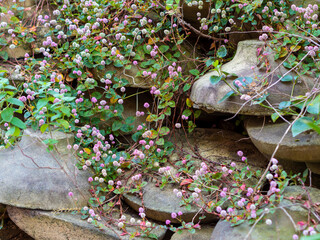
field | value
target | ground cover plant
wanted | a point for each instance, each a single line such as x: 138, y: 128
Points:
x: 62, y: 90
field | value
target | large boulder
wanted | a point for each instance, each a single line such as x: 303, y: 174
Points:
x: 304, y: 148
x: 43, y: 225
x: 208, y: 97
x: 44, y: 177
x: 210, y: 145
x: 160, y: 203
x: 216, y: 145
x: 201, y: 234
x: 282, y: 227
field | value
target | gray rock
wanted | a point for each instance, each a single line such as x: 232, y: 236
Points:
x: 45, y: 178
x: 282, y: 227
x: 207, y: 96
x: 219, y: 146
x: 160, y: 203
x: 202, y: 234
x: 303, y: 148
x: 214, y: 145
x: 43, y: 225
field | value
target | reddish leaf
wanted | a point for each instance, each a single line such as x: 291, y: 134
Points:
x: 186, y: 181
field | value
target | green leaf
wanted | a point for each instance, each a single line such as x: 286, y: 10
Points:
x: 63, y: 123
x: 30, y: 40
x: 41, y: 103
x: 229, y: 94
x: 186, y: 87
x: 274, y: 116
x: 314, y: 106
x: 3, y: 42
x: 116, y: 125
x: 65, y: 110
x: 164, y: 131
x: 215, y: 79
x: 2, y: 95
x: 222, y: 52
x: 197, y: 113
x: 17, y: 122
x: 313, y: 126
x: 164, y: 48
x: 312, y: 237
x: 136, y: 136
x: 15, y: 101
x: 68, y: 99
x: 4, y: 55
x: 130, y: 120
x: 14, y: 19
x: 187, y: 112
x: 219, y: 4
x: 284, y: 104
x: 194, y: 72
x: 300, y: 126
x: 44, y: 127
x: 160, y: 141
x: 287, y: 78
x: 13, y: 131
x: 209, y: 62
x: 7, y: 114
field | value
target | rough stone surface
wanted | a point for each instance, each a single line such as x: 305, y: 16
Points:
x: 31, y: 177
x: 303, y: 148
x: 281, y: 228
x: 216, y: 145
x: 160, y: 203
x: 219, y: 146
x: 207, y: 96
x: 202, y: 234
x: 43, y: 225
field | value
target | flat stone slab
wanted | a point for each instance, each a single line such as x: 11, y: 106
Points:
x: 202, y: 234
x: 216, y: 146
x: 160, y: 203
x: 207, y: 96
x: 43, y: 225
x: 281, y: 228
x: 303, y: 148
x: 31, y: 177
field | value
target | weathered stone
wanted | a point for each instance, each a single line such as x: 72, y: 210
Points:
x: 160, y: 203
x: 10, y: 72
x: 214, y: 145
x: 207, y: 96
x: 219, y: 146
x: 202, y: 234
x: 303, y: 148
x: 282, y: 227
x: 43, y: 225
x: 45, y: 178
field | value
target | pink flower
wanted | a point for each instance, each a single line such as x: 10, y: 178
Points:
x: 240, y: 153
x: 173, y: 215
x: 90, y: 179
x: 70, y: 194
x: 146, y: 105
x: 168, y: 222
